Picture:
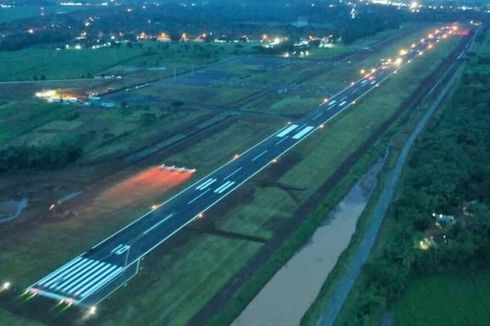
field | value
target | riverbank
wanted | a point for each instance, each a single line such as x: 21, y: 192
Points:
x: 287, y: 296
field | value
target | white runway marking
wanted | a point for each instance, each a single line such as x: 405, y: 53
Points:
x: 196, y: 198
x: 78, y: 276
x: 287, y: 131
x: 225, y: 186
x: 233, y: 173
x: 303, y: 132
x: 258, y: 156
x: 281, y: 140
x: 206, y: 183
x: 160, y: 222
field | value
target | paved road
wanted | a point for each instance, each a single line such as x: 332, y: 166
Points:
x: 81, y: 280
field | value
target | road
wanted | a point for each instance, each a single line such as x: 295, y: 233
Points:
x: 83, y: 280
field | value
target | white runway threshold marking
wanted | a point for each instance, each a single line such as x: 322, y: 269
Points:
x: 206, y: 184
x: 303, y: 132
x: 80, y: 278
x: 224, y: 186
x: 283, y: 139
x: 287, y: 131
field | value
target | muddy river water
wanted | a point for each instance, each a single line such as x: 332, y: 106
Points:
x: 286, y: 297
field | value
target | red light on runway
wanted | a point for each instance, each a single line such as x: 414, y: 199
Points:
x: 143, y: 185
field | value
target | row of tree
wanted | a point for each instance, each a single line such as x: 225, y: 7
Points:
x: 448, y: 168
x: 45, y: 157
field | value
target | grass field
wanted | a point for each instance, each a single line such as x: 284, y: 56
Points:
x: 18, y: 119
x: 35, y: 62
x: 342, y: 136
x: 180, y: 277
x: 101, y: 132
x: 299, y: 98
x: 450, y: 298
x: 109, y: 212
x: 104, y: 215
x: 446, y: 300
x: 259, y: 208
x: 349, y: 315
x: 364, y: 43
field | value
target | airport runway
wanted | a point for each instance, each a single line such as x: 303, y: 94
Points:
x: 97, y: 272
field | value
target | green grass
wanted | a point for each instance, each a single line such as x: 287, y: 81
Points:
x: 349, y: 312
x: 59, y: 64
x: 202, y: 259
x: 446, y: 300
x: 360, y: 44
x: 208, y: 261
x: 101, y: 132
x: 217, y: 95
x: 312, y: 91
x: 7, y: 318
x: 252, y: 216
x: 218, y: 148
x: 339, y: 139
x: 27, y: 63
x: 18, y: 119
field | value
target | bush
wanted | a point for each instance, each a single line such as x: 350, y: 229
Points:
x: 16, y: 158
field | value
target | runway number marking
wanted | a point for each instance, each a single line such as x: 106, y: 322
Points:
x: 120, y: 249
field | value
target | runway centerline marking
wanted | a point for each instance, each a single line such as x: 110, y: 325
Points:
x: 159, y: 223
x: 199, y: 196
x: 281, y: 140
x: 261, y: 154
x: 233, y: 173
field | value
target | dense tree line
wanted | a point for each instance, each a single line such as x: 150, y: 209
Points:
x: 449, y: 168
x: 23, y: 157
x: 366, y: 24
x: 228, y: 18
x: 19, y: 41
